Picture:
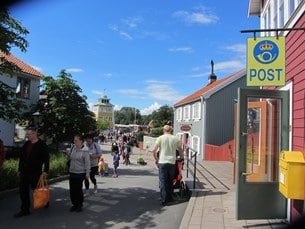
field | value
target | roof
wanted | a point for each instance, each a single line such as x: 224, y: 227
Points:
x: 25, y: 68
x: 254, y: 7
x: 211, y: 88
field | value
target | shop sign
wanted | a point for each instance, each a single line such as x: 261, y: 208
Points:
x: 266, y: 61
x: 185, y: 128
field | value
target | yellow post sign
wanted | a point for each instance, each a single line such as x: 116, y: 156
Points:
x: 266, y: 61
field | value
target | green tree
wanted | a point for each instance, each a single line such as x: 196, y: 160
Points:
x: 163, y: 115
x: 64, y: 110
x: 103, y: 124
x: 12, y: 34
x: 127, y: 115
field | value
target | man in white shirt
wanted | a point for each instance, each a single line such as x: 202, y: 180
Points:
x: 167, y: 145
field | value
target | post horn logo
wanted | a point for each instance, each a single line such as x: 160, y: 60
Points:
x: 266, y: 52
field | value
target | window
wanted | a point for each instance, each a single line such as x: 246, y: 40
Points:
x: 187, y: 113
x: 275, y: 25
x: 291, y: 7
x: 196, y: 110
x: 267, y: 20
x: 179, y: 114
x: 281, y: 14
x: 23, y: 88
x: 195, y: 143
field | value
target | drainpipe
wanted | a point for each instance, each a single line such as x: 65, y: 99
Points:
x: 203, y: 116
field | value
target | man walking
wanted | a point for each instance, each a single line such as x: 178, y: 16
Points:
x: 34, y: 155
x: 167, y: 145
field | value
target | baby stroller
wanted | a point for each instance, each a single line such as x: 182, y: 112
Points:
x: 178, y: 181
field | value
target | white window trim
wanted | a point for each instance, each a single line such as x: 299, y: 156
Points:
x: 199, y: 111
x: 187, y: 117
x: 179, y: 114
x: 198, y: 143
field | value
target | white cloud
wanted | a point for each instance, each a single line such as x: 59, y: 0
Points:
x: 97, y: 92
x: 154, y: 90
x: 90, y: 106
x: 153, y: 107
x: 181, y: 49
x: 162, y: 91
x: 75, y: 70
x: 202, y: 16
x: 114, y: 28
x: 237, y: 48
x: 122, y: 33
x: 129, y: 91
x: 117, y: 107
x: 37, y: 68
x: 108, y: 75
x: 133, y: 22
x: 201, y: 75
x: 126, y: 36
x: 232, y: 65
x: 196, y: 69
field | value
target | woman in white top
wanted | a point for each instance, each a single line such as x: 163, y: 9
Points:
x: 79, y: 170
x: 94, y: 153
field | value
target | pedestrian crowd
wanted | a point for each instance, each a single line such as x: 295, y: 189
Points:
x: 85, y: 161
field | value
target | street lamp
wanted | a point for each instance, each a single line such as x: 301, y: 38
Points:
x: 37, y: 117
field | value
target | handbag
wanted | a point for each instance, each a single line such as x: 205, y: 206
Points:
x: 41, y: 194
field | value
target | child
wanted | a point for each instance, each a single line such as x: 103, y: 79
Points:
x: 116, y: 160
x: 101, y: 166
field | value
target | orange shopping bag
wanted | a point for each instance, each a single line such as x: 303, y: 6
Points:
x: 41, y: 194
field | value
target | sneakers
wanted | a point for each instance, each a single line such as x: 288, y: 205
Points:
x: 95, y: 189
x: 21, y: 214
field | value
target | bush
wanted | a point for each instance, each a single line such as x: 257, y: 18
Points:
x: 156, y: 132
x: 9, y: 172
x: 58, y: 165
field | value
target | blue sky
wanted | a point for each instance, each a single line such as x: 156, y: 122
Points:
x: 140, y: 53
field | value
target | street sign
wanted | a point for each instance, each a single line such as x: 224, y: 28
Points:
x: 266, y: 61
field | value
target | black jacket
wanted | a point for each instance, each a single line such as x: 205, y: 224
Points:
x: 32, y: 158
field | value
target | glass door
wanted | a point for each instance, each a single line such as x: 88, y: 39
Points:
x: 262, y: 133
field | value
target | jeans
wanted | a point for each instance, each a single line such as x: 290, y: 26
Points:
x: 93, y: 172
x: 166, y: 176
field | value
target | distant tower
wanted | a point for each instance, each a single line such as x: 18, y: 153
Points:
x: 104, y: 110
x: 212, y: 77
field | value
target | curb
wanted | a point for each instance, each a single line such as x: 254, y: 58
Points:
x: 188, y: 212
x: 5, y: 193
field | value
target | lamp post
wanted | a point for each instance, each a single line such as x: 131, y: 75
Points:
x: 37, y: 118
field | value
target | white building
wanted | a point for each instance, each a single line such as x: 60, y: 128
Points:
x: 27, y: 83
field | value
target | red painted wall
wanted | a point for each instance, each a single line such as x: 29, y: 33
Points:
x: 225, y: 152
x: 295, y: 72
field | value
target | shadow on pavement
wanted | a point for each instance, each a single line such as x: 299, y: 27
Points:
x: 106, y: 209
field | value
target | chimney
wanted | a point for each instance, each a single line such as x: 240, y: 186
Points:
x: 212, y: 77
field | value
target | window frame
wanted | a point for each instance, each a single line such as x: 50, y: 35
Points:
x: 187, y: 113
x: 196, y: 111
x: 24, y: 86
x: 198, y: 143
